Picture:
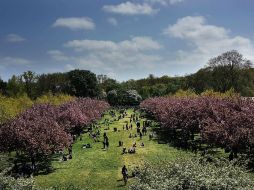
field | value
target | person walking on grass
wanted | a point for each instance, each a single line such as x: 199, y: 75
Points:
x: 140, y: 135
x: 125, y: 174
x: 106, y: 142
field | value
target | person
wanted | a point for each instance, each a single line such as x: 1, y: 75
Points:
x: 70, y: 149
x: 124, y: 150
x: 140, y: 135
x: 142, y: 144
x: 125, y: 174
x: 106, y: 142
x: 132, y: 150
x: 144, y: 130
x: 120, y: 143
x: 130, y: 135
x: 64, y: 158
x: 87, y: 146
x: 138, y: 130
x: 138, y: 124
x: 131, y: 127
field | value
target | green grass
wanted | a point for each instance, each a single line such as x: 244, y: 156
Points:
x: 97, y: 169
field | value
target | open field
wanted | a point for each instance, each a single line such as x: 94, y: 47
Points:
x: 97, y: 169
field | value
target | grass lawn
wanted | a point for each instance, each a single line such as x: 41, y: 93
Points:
x: 97, y: 169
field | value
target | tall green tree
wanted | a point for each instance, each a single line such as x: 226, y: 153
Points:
x: 109, y: 84
x: 15, y: 87
x: 83, y: 83
x: 3, y: 86
x: 30, y: 78
x: 55, y: 83
x: 226, y: 70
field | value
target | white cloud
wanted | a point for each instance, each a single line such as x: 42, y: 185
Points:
x: 14, y: 38
x: 14, y: 61
x: 112, y: 21
x: 113, y: 58
x: 206, y: 41
x: 129, y: 8
x: 142, y: 43
x: 75, y: 23
x: 58, y: 55
x: 164, y: 2
x: 138, y: 56
x: 82, y: 45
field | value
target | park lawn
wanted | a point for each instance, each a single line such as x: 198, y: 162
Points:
x: 97, y: 169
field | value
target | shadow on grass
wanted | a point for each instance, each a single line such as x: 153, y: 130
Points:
x: 182, y: 140
x: 22, y: 165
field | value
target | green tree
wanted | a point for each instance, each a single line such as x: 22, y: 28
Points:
x: 109, y: 84
x: 131, y: 98
x: 3, y: 86
x: 15, y: 86
x: 55, y: 83
x: 83, y: 83
x: 112, y: 97
x: 29, y: 78
x: 226, y: 70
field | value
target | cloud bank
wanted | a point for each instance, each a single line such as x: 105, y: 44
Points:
x: 75, y: 23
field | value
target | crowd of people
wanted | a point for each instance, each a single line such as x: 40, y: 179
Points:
x: 130, y: 123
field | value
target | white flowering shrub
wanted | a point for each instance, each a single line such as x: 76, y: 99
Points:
x: 10, y: 183
x: 193, y: 174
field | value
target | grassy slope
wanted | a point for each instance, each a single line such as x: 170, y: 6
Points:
x: 98, y: 169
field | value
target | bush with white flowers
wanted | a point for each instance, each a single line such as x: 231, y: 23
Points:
x: 193, y: 174
x: 10, y: 183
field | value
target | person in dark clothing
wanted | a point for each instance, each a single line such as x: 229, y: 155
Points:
x: 106, y: 141
x: 125, y: 174
x: 140, y: 135
x: 64, y: 158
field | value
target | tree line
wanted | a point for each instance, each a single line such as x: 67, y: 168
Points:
x: 229, y: 70
x: 79, y: 83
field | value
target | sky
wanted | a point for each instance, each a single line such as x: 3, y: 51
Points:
x: 122, y: 39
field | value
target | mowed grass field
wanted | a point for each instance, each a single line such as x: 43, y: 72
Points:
x: 97, y: 169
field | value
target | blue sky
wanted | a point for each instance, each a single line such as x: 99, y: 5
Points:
x: 123, y: 39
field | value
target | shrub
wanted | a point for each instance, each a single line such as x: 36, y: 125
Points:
x: 193, y: 174
x: 10, y: 183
